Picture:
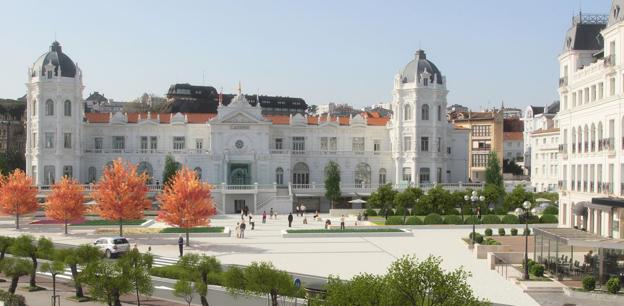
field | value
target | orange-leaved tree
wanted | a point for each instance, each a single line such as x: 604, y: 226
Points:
x: 18, y: 196
x: 186, y: 202
x: 121, y: 193
x: 66, y: 202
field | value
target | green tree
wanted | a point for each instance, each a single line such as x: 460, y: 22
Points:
x: 106, y: 281
x: 363, y: 289
x: 82, y: 255
x: 26, y: 246
x: 15, y: 268
x: 383, y: 197
x: 136, y: 267
x: 407, y: 198
x: 263, y: 278
x: 185, y: 289
x: 516, y: 197
x: 5, y: 244
x: 493, y: 173
x: 234, y: 279
x: 55, y: 268
x: 201, y: 269
x: 510, y: 166
x: 171, y: 167
x: 437, y: 200
x: 332, y: 183
x: 410, y: 282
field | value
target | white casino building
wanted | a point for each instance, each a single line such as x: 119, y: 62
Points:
x: 252, y: 160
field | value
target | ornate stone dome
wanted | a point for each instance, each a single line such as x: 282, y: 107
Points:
x: 418, y: 65
x: 57, y: 59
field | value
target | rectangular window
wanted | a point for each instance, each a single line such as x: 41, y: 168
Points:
x: 67, y: 140
x: 68, y: 171
x: 448, y: 150
x: 407, y: 143
x: 424, y: 144
x: 439, y: 176
x: 48, y: 175
x: 33, y: 173
x: 324, y: 144
x: 439, y: 144
x: 98, y: 143
x: 586, y: 97
x: 600, y: 90
x: 278, y: 144
x: 358, y: 144
x: 153, y: 143
x: 481, y: 145
x: 119, y: 142
x: 178, y: 143
x: 479, y: 160
x: 425, y: 176
x: 144, y: 143
x: 573, y: 99
x: 612, y: 86
x: 481, y: 131
x: 376, y: 145
x: 333, y: 144
x: 33, y: 141
x: 199, y: 144
x: 407, y: 174
x: 298, y: 143
x: 49, y: 140
x: 593, y: 93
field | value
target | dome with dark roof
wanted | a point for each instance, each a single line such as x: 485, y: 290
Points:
x: 418, y: 65
x: 57, y: 58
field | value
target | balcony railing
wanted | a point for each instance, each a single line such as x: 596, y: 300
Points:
x: 144, y: 151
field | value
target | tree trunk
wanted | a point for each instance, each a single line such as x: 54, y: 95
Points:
x: 138, y: 297
x: 33, y: 274
x: 116, y: 297
x: 187, y: 237
x: 120, y: 227
x: 204, y: 300
x: 16, y: 221
x: 65, y: 226
x: 13, y: 286
x: 274, y: 297
x: 2, y: 254
x: 74, y: 272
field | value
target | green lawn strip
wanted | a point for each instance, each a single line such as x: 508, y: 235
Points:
x: 216, y: 229
x: 347, y: 230
x: 109, y: 223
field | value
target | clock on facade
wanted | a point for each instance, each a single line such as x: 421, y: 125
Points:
x: 239, y: 144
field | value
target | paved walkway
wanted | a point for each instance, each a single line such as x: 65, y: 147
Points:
x: 344, y: 257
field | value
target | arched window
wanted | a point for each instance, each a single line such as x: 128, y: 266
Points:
x: 49, y: 106
x: 198, y: 173
x: 67, y: 108
x: 425, y: 112
x: 580, y: 139
x: 407, y: 112
x: 279, y: 176
x: 49, y: 175
x: 301, y: 174
x: 145, y: 167
x: 593, y: 137
x: 382, y: 176
x: 439, y: 113
x: 92, y: 175
x: 586, y: 138
x: 362, y: 175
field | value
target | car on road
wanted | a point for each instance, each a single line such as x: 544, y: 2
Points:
x: 112, y: 246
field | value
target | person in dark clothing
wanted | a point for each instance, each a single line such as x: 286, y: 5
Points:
x: 252, y: 222
x: 181, y: 244
x: 290, y: 219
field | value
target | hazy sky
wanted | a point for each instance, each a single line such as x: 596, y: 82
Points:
x: 323, y: 51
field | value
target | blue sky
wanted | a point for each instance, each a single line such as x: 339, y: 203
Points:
x: 323, y: 51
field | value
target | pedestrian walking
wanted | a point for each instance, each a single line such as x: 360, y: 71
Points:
x: 237, y: 229
x: 252, y: 222
x: 242, y: 229
x: 271, y: 213
x: 303, y: 209
x: 342, y: 222
x: 264, y: 217
x: 297, y: 210
x: 290, y: 219
x: 181, y: 245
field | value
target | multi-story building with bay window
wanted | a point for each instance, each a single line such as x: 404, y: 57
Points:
x: 255, y: 160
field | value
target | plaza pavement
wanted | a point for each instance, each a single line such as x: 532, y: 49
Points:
x: 344, y: 257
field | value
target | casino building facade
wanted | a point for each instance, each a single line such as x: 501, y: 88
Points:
x: 255, y: 160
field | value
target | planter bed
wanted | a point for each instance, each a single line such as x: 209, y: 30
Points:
x: 177, y: 230
x: 109, y: 223
x: 167, y: 232
x: 348, y: 232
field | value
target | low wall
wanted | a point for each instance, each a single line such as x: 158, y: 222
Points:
x: 598, y: 297
x: 403, y: 233
x: 346, y: 212
x: 481, y: 250
x: 507, y: 257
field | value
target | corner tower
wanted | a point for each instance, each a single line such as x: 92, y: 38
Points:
x: 54, y: 115
x: 419, y: 128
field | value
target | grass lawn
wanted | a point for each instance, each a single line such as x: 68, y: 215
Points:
x: 348, y: 230
x: 378, y: 222
x: 216, y: 229
x: 109, y: 223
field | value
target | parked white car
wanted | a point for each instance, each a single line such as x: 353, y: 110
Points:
x: 112, y: 246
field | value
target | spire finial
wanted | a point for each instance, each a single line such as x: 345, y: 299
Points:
x: 240, y: 88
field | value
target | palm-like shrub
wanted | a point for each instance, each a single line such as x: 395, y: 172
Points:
x: 434, y: 219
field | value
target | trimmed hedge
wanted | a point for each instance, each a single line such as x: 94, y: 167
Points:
x: 399, y: 211
x: 514, y: 232
x: 551, y: 210
x: 371, y: 212
x: 469, y: 219
x: 10, y: 299
x: 613, y: 285
x: 589, y: 283
x: 453, y: 219
x: 537, y: 270
x: 488, y: 232
x: 177, y: 272
x: 491, y: 219
x: 510, y: 219
x: 434, y: 219
x: 216, y: 229
x: 413, y: 220
x: 490, y: 241
x: 478, y: 237
x: 549, y: 219
x: 394, y: 220
x: 526, y: 232
x: 501, y: 231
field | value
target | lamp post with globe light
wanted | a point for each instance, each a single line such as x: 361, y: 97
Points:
x: 526, y: 209
x: 474, y: 198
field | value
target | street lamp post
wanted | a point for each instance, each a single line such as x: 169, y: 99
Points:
x: 474, y: 198
x: 526, y: 210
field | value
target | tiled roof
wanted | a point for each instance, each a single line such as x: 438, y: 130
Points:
x: 195, y: 118
x: 513, y: 136
x: 543, y: 131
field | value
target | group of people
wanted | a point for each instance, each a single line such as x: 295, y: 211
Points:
x: 300, y: 209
